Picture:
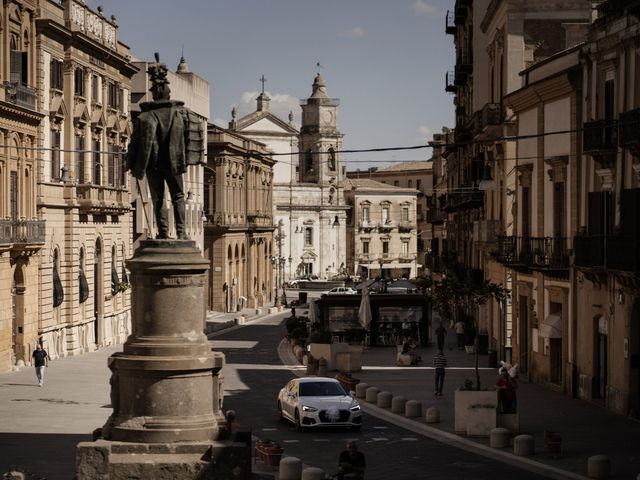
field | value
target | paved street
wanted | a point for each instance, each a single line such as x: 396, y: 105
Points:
x: 254, y: 375
x: 39, y: 427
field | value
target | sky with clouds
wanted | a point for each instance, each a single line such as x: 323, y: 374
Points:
x: 384, y: 59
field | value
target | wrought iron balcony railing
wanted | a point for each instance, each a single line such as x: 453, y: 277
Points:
x: 589, y: 251
x: 535, y: 253
x: 629, y: 130
x: 449, y: 26
x: 599, y: 137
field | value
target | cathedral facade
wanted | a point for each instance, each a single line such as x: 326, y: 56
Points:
x: 308, y: 200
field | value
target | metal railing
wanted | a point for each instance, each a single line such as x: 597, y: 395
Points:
x: 536, y: 253
x: 22, y: 231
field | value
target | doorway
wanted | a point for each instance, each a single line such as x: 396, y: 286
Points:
x: 97, y: 294
x: 17, y: 315
x: 601, y: 359
x: 523, y: 334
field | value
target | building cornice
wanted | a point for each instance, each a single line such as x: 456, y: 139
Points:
x: 561, y: 84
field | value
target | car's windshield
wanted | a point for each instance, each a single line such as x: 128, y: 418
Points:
x: 318, y: 389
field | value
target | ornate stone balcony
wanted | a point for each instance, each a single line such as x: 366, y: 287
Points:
x: 20, y: 95
x: 599, y: 140
x: 533, y: 253
x: 100, y: 200
x: 22, y: 233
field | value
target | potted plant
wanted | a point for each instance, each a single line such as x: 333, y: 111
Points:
x: 269, y: 451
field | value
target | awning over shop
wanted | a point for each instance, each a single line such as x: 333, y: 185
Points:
x: 551, y: 327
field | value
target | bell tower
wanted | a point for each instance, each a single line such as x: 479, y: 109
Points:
x: 320, y: 139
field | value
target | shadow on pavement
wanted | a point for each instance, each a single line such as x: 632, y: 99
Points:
x: 45, y: 455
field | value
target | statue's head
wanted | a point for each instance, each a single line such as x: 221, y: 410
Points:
x: 159, y: 82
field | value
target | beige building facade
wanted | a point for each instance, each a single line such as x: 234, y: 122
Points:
x: 65, y: 201
x: 83, y: 88
x: 238, y: 233
x: 382, y: 230
x: 22, y: 230
x: 416, y: 175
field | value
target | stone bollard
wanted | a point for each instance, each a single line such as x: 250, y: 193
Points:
x: 413, y: 408
x: 433, y: 415
x: 384, y: 399
x: 290, y: 469
x: 372, y: 394
x: 311, y: 365
x: 397, y: 404
x: 523, y: 445
x: 499, y: 437
x: 322, y: 367
x: 361, y: 389
x: 313, y: 473
x: 598, y: 466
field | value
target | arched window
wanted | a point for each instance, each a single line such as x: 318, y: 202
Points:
x: 115, y: 281
x: 58, y: 291
x: 83, y: 285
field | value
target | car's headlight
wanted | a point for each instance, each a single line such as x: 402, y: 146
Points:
x: 355, y: 408
x: 309, y: 409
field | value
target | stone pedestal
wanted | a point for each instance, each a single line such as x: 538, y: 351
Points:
x: 164, y: 384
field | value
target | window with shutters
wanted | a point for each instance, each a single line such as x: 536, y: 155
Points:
x: 97, y: 164
x: 95, y: 88
x: 56, y: 74
x: 122, y: 165
x: 405, y: 248
x: 13, y: 194
x: 112, y: 173
x: 78, y: 81
x: 112, y: 95
x: 365, y: 247
x: 79, y: 157
x: 526, y: 211
x: 55, y: 155
x: 19, y: 62
x: 559, y: 210
x: 308, y: 237
x: 405, y: 214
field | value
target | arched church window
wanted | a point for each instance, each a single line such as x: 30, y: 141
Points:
x: 332, y: 159
x: 58, y: 291
x: 83, y: 285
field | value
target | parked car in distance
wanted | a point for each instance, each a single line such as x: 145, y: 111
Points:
x: 342, y: 290
x: 311, y: 402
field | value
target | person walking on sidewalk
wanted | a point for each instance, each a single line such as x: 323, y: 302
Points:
x: 441, y: 332
x: 440, y: 363
x: 40, y: 361
x: 459, y: 326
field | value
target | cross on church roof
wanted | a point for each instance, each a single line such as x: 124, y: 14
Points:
x: 263, y: 80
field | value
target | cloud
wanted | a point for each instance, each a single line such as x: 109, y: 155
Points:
x: 425, y: 131
x: 355, y: 32
x: 280, y: 105
x: 220, y: 122
x: 423, y: 8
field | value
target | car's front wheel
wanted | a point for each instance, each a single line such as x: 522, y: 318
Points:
x: 296, y: 421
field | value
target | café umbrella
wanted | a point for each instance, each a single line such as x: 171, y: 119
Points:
x: 364, y: 313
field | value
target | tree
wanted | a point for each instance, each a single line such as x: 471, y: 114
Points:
x: 451, y: 296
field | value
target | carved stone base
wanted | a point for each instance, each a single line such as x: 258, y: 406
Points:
x: 106, y: 460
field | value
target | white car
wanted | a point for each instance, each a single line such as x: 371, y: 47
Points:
x: 343, y: 290
x: 318, y: 402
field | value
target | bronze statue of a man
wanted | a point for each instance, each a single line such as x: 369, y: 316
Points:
x: 166, y: 138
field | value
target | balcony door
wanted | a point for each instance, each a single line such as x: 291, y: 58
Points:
x: 13, y: 195
x: 601, y: 359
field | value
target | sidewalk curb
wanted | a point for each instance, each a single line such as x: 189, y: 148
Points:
x: 548, y: 471
x: 236, y: 327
